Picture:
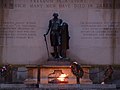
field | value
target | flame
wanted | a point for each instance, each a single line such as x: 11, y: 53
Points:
x: 62, y: 77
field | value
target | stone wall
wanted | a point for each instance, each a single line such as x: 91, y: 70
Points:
x: 93, y: 28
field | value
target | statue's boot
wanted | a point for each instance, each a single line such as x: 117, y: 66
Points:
x: 60, y: 56
x: 56, y: 56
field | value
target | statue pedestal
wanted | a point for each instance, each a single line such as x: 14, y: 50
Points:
x: 57, y: 62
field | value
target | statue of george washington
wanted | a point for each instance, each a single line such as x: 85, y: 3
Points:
x: 59, y: 36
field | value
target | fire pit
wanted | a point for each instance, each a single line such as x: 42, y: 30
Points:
x: 57, y: 77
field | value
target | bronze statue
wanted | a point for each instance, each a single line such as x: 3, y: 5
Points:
x: 59, y: 36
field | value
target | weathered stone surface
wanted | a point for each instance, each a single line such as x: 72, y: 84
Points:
x: 58, y: 87
x: 91, y: 28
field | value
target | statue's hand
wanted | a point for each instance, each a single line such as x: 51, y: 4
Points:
x: 45, y: 35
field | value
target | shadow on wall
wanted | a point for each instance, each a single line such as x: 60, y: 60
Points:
x: 74, y: 57
x: 40, y: 60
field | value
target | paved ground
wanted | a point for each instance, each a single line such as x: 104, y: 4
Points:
x: 58, y: 87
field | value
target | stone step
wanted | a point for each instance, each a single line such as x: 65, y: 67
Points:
x: 78, y: 86
x: 58, y: 87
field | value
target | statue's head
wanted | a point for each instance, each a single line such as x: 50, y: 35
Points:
x: 55, y: 14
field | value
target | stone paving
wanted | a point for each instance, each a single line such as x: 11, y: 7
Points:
x: 58, y: 87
